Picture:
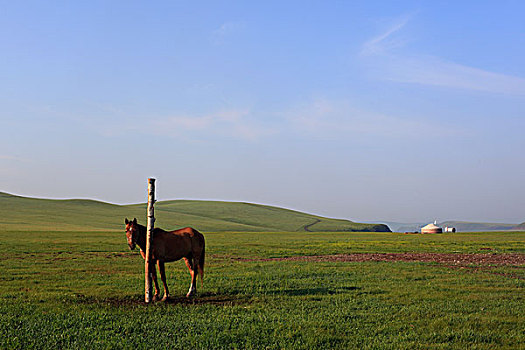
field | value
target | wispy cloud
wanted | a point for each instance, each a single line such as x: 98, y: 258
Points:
x: 229, y: 122
x: 236, y: 123
x: 394, y: 65
x: 385, y: 41
x: 429, y: 70
x: 318, y: 118
x: 326, y: 118
x: 187, y: 122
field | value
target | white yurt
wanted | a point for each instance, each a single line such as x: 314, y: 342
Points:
x: 431, y: 228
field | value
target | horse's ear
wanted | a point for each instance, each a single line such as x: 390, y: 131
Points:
x: 126, y: 221
x: 135, y: 221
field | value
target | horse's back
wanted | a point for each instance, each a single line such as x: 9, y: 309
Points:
x: 186, y: 231
x: 177, y: 244
x: 191, y: 233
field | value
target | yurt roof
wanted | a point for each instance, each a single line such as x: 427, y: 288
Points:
x: 430, y: 227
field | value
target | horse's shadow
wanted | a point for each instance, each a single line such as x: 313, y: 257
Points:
x: 209, y: 298
x: 138, y: 299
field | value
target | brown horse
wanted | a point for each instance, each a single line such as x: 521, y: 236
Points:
x: 186, y: 243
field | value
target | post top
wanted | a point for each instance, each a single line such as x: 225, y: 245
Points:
x: 151, y: 180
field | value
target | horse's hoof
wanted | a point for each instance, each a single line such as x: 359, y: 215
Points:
x: 190, y: 295
x: 165, y: 298
x: 155, y: 297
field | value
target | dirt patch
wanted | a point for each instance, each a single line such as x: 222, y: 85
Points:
x: 478, y: 262
x: 442, y: 258
x: 468, y: 262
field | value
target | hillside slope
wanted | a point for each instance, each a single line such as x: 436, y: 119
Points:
x: 22, y: 213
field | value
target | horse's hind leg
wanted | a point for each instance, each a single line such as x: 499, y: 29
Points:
x: 191, y: 266
x: 162, y: 272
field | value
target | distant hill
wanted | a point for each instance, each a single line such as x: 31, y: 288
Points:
x: 520, y: 227
x: 461, y: 226
x: 404, y: 226
x: 23, y: 213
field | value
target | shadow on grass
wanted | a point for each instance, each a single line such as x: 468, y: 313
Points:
x: 138, y: 300
x: 231, y: 298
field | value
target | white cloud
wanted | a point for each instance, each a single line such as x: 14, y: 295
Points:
x: 431, y: 70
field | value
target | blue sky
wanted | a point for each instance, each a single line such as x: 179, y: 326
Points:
x: 373, y: 110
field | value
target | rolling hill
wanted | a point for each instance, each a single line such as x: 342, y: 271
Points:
x: 23, y: 213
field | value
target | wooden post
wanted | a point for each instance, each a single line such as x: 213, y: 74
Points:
x: 151, y: 220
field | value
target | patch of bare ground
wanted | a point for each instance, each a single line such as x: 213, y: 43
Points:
x: 470, y: 262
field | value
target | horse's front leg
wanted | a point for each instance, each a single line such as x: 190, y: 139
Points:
x: 156, y: 283
x: 162, y: 272
x: 191, y: 266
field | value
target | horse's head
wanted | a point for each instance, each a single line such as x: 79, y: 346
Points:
x: 132, y: 232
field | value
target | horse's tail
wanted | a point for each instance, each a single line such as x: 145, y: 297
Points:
x: 200, y: 265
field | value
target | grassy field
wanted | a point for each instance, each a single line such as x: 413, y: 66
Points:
x: 74, y: 289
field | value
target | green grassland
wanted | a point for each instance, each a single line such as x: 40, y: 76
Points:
x: 21, y: 213
x: 84, y: 288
